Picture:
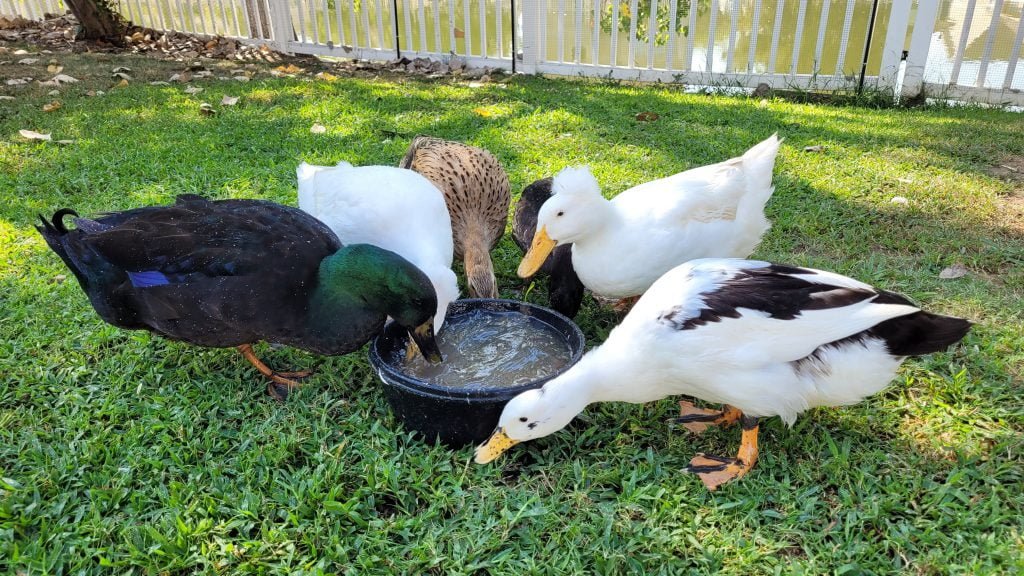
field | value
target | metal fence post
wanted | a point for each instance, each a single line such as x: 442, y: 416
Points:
x: 532, y: 19
x: 281, y: 24
x: 920, y: 42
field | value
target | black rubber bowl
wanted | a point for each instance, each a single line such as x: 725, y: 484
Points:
x: 458, y: 416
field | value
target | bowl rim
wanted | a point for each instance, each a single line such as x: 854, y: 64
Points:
x: 461, y: 393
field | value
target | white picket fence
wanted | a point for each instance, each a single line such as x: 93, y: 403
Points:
x: 961, y: 49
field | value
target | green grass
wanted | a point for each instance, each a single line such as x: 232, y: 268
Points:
x: 125, y: 453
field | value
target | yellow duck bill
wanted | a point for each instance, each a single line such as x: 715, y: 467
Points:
x: 540, y: 248
x: 497, y: 444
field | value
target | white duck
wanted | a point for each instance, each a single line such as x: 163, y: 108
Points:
x: 764, y: 339
x: 392, y: 208
x: 621, y: 246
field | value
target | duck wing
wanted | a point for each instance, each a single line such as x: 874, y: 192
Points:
x: 214, y: 273
x: 756, y: 313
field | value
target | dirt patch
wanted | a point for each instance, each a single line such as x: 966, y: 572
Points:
x: 1010, y: 167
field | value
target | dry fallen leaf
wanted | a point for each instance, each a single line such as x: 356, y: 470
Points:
x: 286, y: 69
x: 64, y: 79
x: 953, y: 272
x: 159, y: 83
x: 326, y: 76
x: 122, y: 84
x: 206, y: 109
x: 53, y: 93
x: 816, y: 148
x: 6, y: 97
x: 65, y: 141
x: 899, y: 200
x: 60, y: 278
x: 28, y: 61
x: 481, y: 111
x: 122, y: 76
x: 121, y: 70
x: 18, y: 81
x: 55, y: 105
x: 54, y: 68
x: 32, y: 135
x: 318, y: 128
x: 241, y: 78
x: 193, y: 90
x: 647, y: 116
x: 229, y: 100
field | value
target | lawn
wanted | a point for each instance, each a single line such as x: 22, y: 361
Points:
x: 125, y: 453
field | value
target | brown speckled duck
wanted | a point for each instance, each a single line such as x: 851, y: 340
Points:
x: 477, y: 193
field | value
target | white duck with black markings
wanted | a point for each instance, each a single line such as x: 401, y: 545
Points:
x: 764, y: 339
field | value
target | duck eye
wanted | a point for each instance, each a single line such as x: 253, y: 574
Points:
x: 561, y: 212
x: 523, y: 418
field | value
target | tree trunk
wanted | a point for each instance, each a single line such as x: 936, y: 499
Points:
x: 259, y: 21
x: 98, y: 20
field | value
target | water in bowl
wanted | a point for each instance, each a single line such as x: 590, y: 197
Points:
x: 488, y: 349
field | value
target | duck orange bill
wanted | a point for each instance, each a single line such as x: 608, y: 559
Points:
x: 540, y: 248
x: 494, y: 447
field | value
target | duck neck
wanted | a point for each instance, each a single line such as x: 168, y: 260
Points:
x: 595, y: 378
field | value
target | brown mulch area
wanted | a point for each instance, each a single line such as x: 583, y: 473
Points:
x: 58, y: 33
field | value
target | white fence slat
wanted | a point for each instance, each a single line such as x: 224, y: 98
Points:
x: 185, y: 24
x: 652, y: 32
x: 238, y: 22
x: 202, y: 17
x: 451, y: 25
x: 578, y: 32
x: 138, y: 14
x: 844, y: 41
x: 632, y: 33
x: 408, y: 17
x: 483, y: 26
x: 1011, y: 64
x: 326, y: 18
x: 993, y: 27
x: 213, y: 17
x: 500, y: 29
x: 435, y: 11
x: 820, y: 44
x: 149, y: 15
x: 223, y: 15
x: 301, y: 36
x: 892, y: 50
x: 422, y: 20
x: 364, y: 19
x: 673, y: 19
x: 691, y: 34
x: 466, y: 23
x: 353, y: 23
x: 380, y: 25
x: 801, y: 14
x: 314, y: 22
x: 615, y: 33
x: 733, y: 22
x: 340, y: 21
x: 595, y: 46
x: 954, y: 76
x: 712, y: 26
x: 920, y: 42
x: 9, y: 8
x: 252, y: 29
x: 531, y: 31
x: 560, y: 27
x: 755, y: 28
x: 776, y: 29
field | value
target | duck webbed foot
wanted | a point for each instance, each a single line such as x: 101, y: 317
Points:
x: 281, y: 383
x: 697, y: 420
x: 624, y: 305
x: 716, y: 470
